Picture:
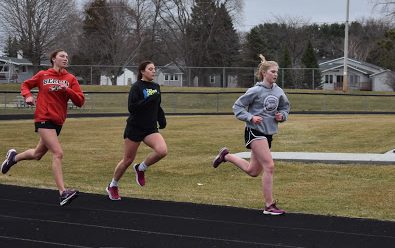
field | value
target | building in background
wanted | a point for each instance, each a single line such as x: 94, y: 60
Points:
x: 362, y: 76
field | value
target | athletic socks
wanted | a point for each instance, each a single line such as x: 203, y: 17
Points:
x: 142, y: 166
x: 114, y: 183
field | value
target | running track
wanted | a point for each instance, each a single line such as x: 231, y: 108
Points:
x: 31, y: 217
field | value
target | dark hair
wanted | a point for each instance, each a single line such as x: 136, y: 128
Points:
x: 142, y: 67
x: 54, y: 53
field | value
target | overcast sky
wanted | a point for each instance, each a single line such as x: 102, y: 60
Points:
x: 314, y: 11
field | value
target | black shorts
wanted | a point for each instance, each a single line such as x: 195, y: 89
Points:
x: 252, y: 134
x: 137, y: 134
x: 47, y: 125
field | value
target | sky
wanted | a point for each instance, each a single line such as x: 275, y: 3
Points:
x: 315, y: 11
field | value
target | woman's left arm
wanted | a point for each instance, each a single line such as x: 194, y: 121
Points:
x: 75, y: 93
x: 283, y: 107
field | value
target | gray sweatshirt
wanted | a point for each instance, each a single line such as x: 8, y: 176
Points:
x: 263, y: 101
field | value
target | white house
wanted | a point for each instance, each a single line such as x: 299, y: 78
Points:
x: 170, y: 75
x: 17, y: 69
x: 381, y: 81
x: 126, y: 78
x: 362, y: 75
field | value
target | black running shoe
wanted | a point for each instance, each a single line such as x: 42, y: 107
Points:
x: 9, y: 161
x: 67, y: 196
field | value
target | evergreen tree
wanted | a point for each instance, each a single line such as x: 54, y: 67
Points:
x: 309, y: 61
x: 11, y: 48
x: 211, y: 39
x: 106, y: 38
x: 384, y: 55
x: 285, y: 73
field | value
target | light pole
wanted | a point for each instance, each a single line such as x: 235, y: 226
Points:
x: 345, y: 74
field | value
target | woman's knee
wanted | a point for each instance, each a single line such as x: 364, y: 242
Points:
x: 37, y: 155
x: 58, y: 154
x: 127, y: 161
x: 269, y: 168
x: 254, y: 173
x: 161, y: 151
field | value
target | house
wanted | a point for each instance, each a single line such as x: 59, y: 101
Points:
x: 383, y: 80
x: 126, y: 78
x: 361, y: 75
x: 170, y: 75
x: 17, y: 69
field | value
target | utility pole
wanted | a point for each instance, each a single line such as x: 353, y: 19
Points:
x: 345, y: 74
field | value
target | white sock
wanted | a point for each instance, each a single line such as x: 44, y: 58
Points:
x: 114, y: 183
x: 142, y: 166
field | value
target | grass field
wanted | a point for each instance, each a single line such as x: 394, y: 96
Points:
x: 93, y: 146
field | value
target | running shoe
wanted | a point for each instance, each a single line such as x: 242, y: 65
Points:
x: 9, y: 161
x: 140, y: 179
x: 67, y: 196
x: 273, y: 210
x: 220, y: 158
x: 113, y: 193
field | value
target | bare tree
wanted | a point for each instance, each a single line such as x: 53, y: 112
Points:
x: 364, y: 37
x: 35, y: 23
x: 116, y: 33
x: 387, y: 7
x: 174, y: 16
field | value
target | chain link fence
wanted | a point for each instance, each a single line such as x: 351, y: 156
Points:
x: 172, y: 75
x: 204, y: 102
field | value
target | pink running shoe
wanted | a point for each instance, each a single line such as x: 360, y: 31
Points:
x: 140, y: 179
x: 113, y: 193
x: 273, y: 210
x: 220, y: 158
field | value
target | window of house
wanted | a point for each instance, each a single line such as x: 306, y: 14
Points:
x: 331, y: 79
x: 24, y: 69
x: 339, y: 79
x: 212, y: 79
x: 351, y: 79
x: 171, y: 77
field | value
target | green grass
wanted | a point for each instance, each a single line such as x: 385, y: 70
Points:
x: 93, y: 146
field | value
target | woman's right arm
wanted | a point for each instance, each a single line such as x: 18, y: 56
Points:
x: 29, y: 84
x: 241, y: 105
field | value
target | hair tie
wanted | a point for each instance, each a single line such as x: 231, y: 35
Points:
x: 263, y: 60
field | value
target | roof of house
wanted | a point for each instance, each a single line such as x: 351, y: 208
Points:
x: 354, y: 64
x: 23, y: 61
x: 350, y: 67
x: 385, y: 71
x: 171, y: 68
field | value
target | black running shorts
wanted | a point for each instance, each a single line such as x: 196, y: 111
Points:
x: 47, y: 125
x: 136, y: 134
x: 252, y: 134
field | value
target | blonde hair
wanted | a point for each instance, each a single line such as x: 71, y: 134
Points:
x: 264, y: 67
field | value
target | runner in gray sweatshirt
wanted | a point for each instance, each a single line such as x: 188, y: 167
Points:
x: 262, y: 100
x: 261, y: 108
